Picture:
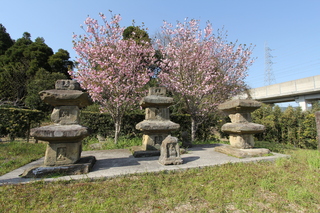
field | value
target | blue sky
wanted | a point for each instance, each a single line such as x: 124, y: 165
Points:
x: 291, y: 28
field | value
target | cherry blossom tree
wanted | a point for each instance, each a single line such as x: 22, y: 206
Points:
x: 201, y: 68
x: 112, y: 69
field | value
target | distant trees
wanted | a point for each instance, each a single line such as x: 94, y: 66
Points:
x: 201, y: 68
x: 290, y: 126
x: 5, y: 40
x: 60, y: 63
x: 24, y: 63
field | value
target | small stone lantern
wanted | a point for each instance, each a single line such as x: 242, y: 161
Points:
x: 157, y: 125
x: 241, y: 128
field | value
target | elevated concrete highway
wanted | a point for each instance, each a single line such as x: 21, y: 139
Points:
x: 302, y: 91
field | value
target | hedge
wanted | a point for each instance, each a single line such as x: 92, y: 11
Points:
x: 16, y: 122
x: 291, y: 126
x: 102, y: 124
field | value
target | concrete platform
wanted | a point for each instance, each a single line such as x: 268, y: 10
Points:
x: 113, y: 163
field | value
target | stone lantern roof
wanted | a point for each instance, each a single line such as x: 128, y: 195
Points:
x: 156, y: 98
x: 239, y: 106
x: 66, y: 93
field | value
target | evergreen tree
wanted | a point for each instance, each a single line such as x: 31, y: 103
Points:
x: 60, y: 63
x: 5, y: 40
x: 23, y: 66
x: 139, y: 35
x: 43, y: 80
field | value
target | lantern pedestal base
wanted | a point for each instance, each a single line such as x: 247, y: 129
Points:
x: 82, y: 166
x: 242, y: 153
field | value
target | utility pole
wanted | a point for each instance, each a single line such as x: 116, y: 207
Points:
x: 268, y: 73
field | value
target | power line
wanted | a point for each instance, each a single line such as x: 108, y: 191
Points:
x: 291, y: 65
x: 299, y: 66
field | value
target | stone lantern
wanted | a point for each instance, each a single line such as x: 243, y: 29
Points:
x: 157, y: 125
x: 66, y: 134
x: 241, y: 129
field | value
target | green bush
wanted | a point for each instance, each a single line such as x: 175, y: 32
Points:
x: 17, y: 122
x: 291, y: 126
x: 102, y: 124
x: 99, y: 123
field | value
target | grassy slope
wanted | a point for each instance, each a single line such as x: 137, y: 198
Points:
x: 287, y: 185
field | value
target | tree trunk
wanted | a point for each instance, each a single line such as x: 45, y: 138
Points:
x: 117, y: 125
x: 193, y: 128
x: 28, y: 131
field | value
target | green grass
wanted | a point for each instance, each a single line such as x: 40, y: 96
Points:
x: 123, y: 143
x: 287, y: 185
x: 16, y: 154
x: 274, y: 147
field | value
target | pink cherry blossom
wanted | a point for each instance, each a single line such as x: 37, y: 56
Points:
x: 201, y: 68
x: 113, y: 70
